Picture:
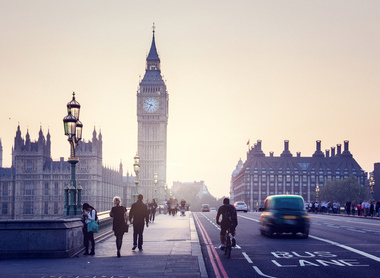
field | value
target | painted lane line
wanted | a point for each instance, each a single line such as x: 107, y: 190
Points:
x: 249, y: 218
x: 216, y: 271
x: 247, y: 258
x: 216, y: 256
x: 347, y: 248
x: 341, y: 246
x: 358, y: 231
x: 260, y: 273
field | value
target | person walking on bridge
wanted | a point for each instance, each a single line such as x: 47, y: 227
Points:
x: 138, y: 216
x: 120, y: 219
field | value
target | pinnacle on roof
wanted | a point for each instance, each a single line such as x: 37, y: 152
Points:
x: 153, y: 55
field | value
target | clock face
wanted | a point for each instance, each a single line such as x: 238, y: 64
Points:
x: 150, y: 105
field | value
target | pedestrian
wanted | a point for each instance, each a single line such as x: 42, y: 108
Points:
x: 371, y: 208
x: 353, y: 206
x: 152, y: 210
x: 120, y: 218
x: 138, y: 216
x: 377, y: 208
x: 89, y: 214
x: 348, y: 207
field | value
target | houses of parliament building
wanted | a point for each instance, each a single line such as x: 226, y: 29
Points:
x: 33, y: 188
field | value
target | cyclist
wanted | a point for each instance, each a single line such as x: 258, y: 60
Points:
x: 229, y: 221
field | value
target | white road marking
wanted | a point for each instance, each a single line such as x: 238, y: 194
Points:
x: 247, y: 258
x: 260, y: 273
x: 249, y: 218
x: 372, y: 257
x: 358, y: 231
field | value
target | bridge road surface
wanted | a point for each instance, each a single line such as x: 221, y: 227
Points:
x: 337, y: 246
x: 171, y: 249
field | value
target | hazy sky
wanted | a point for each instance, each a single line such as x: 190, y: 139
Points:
x: 236, y: 70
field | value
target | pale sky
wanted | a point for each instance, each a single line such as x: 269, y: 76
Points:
x: 235, y: 70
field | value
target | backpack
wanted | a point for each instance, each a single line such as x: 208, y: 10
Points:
x: 229, y: 217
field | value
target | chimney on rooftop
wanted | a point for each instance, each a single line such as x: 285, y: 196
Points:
x: 332, y: 151
x: 339, y: 149
x: 327, y: 153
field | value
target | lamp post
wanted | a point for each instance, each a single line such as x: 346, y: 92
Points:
x: 372, y: 185
x: 165, y: 188
x: 317, y: 192
x: 73, y: 129
x: 155, y: 185
x: 136, y: 168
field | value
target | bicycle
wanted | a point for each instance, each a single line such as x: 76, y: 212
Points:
x: 228, y: 248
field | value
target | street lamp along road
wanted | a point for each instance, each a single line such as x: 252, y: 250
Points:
x: 372, y: 185
x: 136, y: 168
x: 155, y: 180
x: 317, y: 192
x: 73, y: 129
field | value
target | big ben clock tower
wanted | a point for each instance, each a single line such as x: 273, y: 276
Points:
x: 152, y: 118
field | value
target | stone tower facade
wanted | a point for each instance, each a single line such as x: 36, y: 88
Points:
x: 152, y: 118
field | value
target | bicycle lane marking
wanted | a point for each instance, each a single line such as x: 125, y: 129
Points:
x: 258, y: 271
x: 377, y: 259
x: 372, y: 257
x: 211, y: 251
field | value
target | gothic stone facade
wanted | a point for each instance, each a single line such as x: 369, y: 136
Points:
x: 261, y: 175
x: 33, y: 188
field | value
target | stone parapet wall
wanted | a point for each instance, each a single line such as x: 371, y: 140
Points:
x: 59, y: 238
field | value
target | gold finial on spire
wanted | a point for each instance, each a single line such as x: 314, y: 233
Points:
x: 153, y: 28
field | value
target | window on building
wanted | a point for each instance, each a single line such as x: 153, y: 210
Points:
x: 4, y: 208
x: 304, y: 178
x: 312, y: 179
x: 56, y: 188
x: 263, y: 178
x: 5, y: 189
x: 296, y: 178
x: 255, y: 178
x: 279, y: 179
x: 288, y: 178
x: 29, y: 165
x: 46, y: 208
x: 55, y: 208
x: 28, y: 207
x: 46, y: 188
x: 271, y: 178
x: 29, y: 188
x: 321, y: 179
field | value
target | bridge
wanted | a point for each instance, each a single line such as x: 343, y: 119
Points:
x: 171, y: 248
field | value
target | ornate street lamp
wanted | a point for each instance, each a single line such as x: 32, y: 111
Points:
x: 155, y: 185
x: 136, y: 168
x: 372, y: 185
x: 317, y: 192
x: 73, y: 129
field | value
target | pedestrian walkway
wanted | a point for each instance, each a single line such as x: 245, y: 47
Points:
x: 171, y: 249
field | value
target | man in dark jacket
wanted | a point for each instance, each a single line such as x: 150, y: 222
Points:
x: 229, y: 222
x: 138, y: 215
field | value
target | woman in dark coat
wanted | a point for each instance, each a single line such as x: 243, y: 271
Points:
x: 120, y: 219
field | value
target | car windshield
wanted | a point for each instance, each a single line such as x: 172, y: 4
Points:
x: 289, y: 204
x: 241, y: 204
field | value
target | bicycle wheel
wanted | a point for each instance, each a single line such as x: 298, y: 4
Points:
x: 228, y: 246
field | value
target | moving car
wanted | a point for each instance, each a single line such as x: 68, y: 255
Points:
x: 284, y: 214
x: 205, y: 208
x: 212, y: 209
x: 241, y: 206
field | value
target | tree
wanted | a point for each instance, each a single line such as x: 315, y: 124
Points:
x: 343, y: 190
